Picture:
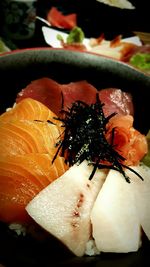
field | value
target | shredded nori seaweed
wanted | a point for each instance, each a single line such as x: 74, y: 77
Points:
x: 84, y: 138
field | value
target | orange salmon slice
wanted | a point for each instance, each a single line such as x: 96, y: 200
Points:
x: 24, y: 137
x: 21, y: 178
x: 29, y: 109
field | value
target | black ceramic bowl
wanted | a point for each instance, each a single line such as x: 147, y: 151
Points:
x: 17, y: 69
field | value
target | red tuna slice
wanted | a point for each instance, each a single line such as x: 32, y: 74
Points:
x: 116, y: 100
x: 46, y: 91
x: 49, y: 92
x: 57, y: 19
x: 81, y: 90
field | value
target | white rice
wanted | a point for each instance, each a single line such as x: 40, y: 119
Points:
x: 91, y: 249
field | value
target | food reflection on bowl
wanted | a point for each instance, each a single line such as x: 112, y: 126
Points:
x: 65, y: 67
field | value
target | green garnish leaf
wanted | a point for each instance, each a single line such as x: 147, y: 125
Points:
x: 146, y: 159
x: 59, y: 37
x: 141, y: 61
x: 3, y: 47
x: 76, y: 35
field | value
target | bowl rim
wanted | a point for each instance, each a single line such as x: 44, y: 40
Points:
x: 82, y: 53
x: 68, y: 50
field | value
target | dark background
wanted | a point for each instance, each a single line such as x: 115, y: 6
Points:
x: 93, y: 17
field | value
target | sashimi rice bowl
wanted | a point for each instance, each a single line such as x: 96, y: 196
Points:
x: 74, y: 152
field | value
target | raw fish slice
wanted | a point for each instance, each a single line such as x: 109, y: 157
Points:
x: 45, y: 90
x: 141, y: 190
x: 81, y: 90
x: 21, y: 178
x: 29, y: 109
x: 127, y: 141
x: 116, y: 101
x: 53, y: 95
x: 57, y: 19
x: 63, y: 208
x: 23, y: 137
x: 115, y: 222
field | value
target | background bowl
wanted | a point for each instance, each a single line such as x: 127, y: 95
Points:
x: 19, y: 68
